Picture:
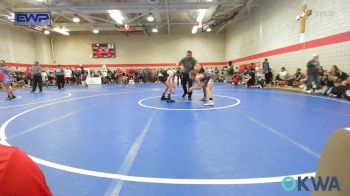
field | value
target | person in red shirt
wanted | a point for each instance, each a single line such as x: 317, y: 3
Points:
x: 235, y: 79
x: 19, y: 175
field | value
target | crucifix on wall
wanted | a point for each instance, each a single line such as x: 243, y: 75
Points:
x: 303, y: 16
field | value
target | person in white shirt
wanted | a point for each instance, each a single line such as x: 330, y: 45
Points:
x: 281, y: 77
x: 67, y: 75
x: 44, y: 77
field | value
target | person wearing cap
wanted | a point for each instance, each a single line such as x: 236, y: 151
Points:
x: 189, y: 63
x: 7, y: 80
x: 313, y: 73
x: 36, y: 70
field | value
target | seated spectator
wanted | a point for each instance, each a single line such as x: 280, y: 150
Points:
x: 281, y: 77
x: 235, y: 79
x: 260, y: 78
x: 250, y: 78
x: 19, y: 175
x: 340, y: 89
x: 296, y: 78
x: 335, y: 77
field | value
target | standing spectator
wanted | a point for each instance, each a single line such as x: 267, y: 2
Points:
x: 217, y: 73
x: 28, y: 76
x: 45, y: 78
x: 119, y: 76
x: 83, y: 76
x: 67, y: 75
x: 313, y: 73
x: 59, y: 72
x: 266, y: 68
x: 230, y: 72
x: 188, y: 63
x: 37, y: 79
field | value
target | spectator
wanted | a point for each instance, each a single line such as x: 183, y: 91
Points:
x: 67, y: 75
x: 19, y: 175
x: 250, y: 78
x: 45, y: 78
x: 260, y: 78
x: 83, y: 76
x: 235, y: 79
x: 268, y: 76
x: 281, y: 77
x: 313, y: 73
x: 295, y: 79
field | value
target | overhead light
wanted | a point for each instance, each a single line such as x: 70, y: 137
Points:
x: 154, y: 30
x: 194, y: 29
x: 201, y: 15
x: 150, y: 18
x: 209, y: 0
x: 76, y: 19
x: 40, y: 0
x: 95, y: 31
x: 126, y: 26
x: 116, y: 15
x: 11, y: 17
x: 208, y: 29
x: 63, y: 31
x: 47, y: 32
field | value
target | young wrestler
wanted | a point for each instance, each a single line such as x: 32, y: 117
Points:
x: 167, y: 77
x: 5, y: 71
x: 204, y: 79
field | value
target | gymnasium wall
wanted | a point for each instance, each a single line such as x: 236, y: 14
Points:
x: 21, y: 46
x: 159, y: 48
x: 17, y: 45
x: 273, y: 32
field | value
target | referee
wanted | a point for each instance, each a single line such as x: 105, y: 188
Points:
x: 189, y: 63
x: 37, y: 79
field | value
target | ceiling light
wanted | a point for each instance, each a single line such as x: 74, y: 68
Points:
x: 154, y: 30
x: 116, y: 15
x: 39, y: 0
x: 76, y: 19
x: 11, y: 17
x: 201, y: 15
x: 47, y: 32
x: 194, y: 29
x: 208, y: 29
x: 63, y: 31
x: 95, y: 31
x: 150, y: 18
x: 209, y: 0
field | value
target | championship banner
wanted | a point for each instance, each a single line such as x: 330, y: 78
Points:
x: 103, y: 50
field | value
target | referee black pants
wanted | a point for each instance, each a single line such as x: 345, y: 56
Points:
x: 186, y: 79
x: 37, y: 80
x: 60, y: 81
